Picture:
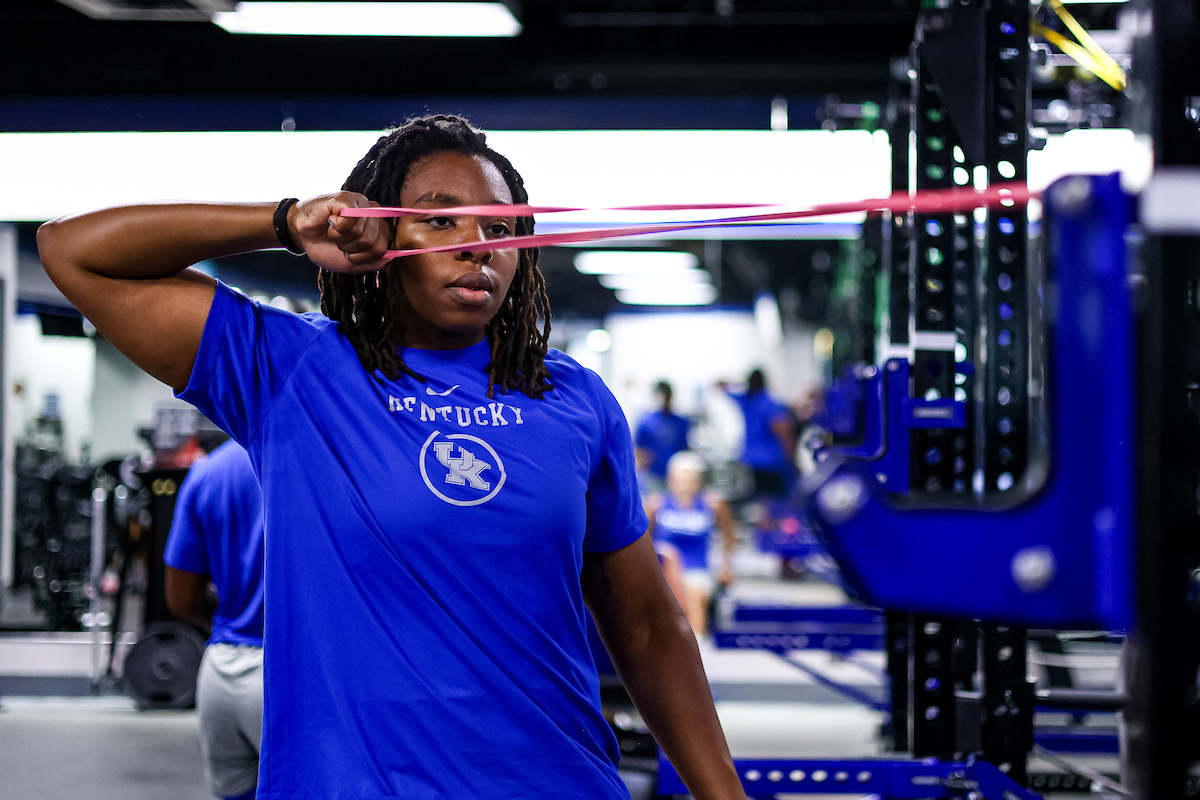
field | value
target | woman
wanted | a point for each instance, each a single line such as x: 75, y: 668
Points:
x: 442, y: 495
x: 682, y: 522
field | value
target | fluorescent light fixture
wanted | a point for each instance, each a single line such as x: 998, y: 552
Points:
x: 1092, y: 151
x: 45, y: 175
x: 645, y: 280
x: 767, y: 320
x: 370, y: 19
x: 1096, y: 2
x: 598, y: 340
x: 634, y: 262
x: 700, y: 294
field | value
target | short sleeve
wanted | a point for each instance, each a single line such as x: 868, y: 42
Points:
x: 185, y: 548
x: 615, y: 517
x: 247, y: 353
x: 645, y: 436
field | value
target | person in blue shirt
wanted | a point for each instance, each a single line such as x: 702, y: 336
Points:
x: 770, y: 439
x: 660, y: 435
x: 217, y: 535
x: 683, y: 521
x: 444, y: 497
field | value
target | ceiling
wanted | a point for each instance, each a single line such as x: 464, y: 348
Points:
x: 599, y: 64
x: 573, y: 48
x: 577, y: 64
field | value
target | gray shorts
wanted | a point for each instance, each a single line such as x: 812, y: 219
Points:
x: 229, y: 699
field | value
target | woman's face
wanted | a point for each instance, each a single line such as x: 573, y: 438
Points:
x: 450, y: 297
x: 684, y: 482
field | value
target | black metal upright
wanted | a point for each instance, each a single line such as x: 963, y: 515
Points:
x: 931, y: 282
x: 896, y: 233
x: 1163, y: 717
x: 931, y: 666
x: 1008, y: 700
x: 968, y: 108
x: 897, y: 228
x: 1007, y: 288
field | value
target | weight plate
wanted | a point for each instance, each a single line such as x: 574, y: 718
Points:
x: 161, y: 669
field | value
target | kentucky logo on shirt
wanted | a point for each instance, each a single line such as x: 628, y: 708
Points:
x: 491, y: 415
x: 461, y: 469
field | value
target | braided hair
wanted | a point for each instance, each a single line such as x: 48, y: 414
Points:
x: 365, y: 304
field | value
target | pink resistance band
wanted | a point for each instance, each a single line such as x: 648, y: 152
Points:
x: 936, y: 201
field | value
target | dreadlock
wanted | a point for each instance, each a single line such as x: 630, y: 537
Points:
x: 365, y: 304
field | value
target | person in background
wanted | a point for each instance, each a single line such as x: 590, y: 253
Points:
x: 660, y: 435
x: 217, y: 536
x: 809, y: 436
x: 682, y: 521
x: 770, y: 437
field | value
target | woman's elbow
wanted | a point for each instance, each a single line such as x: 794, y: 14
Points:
x: 49, y: 245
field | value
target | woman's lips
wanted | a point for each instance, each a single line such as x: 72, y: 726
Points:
x: 473, y: 288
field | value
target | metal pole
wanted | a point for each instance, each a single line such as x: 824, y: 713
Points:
x: 99, y: 496
x: 8, y: 293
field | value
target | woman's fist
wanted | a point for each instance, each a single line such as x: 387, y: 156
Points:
x: 337, y: 243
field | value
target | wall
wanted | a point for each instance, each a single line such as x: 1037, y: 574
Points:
x: 64, y: 365
x: 124, y: 399
x: 694, y: 350
x: 8, y: 296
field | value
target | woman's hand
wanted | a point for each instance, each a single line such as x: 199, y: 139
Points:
x: 337, y: 243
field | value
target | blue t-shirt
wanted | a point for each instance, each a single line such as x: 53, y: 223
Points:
x: 664, y: 434
x: 218, y: 531
x: 762, y: 449
x: 689, y: 529
x: 425, y: 633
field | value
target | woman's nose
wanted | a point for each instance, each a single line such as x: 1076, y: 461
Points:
x: 474, y: 233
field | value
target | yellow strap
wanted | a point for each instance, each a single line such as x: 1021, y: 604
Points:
x: 1113, y: 76
x: 1095, y: 50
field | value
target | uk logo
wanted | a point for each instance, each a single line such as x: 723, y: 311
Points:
x: 461, y: 469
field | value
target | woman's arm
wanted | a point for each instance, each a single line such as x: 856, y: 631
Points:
x: 189, y: 598
x: 126, y: 269
x: 728, y: 528
x: 785, y: 434
x: 656, y: 656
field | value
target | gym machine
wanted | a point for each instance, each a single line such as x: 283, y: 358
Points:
x: 1029, y: 453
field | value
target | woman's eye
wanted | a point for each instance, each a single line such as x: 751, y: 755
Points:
x: 499, y: 229
x: 440, y: 222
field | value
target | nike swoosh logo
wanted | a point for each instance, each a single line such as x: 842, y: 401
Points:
x: 441, y: 394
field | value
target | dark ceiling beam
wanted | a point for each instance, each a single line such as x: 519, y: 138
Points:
x: 48, y: 50
x: 668, y: 19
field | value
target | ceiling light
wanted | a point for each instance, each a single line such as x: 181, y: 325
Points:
x: 598, y: 340
x: 370, y: 19
x: 648, y: 280
x: 1080, y: 2
x: 625, y: 262
x: 694, y: 295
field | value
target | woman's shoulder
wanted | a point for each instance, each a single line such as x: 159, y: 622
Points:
x: 285, y: 337
x: 275, y: 315
x: 569, y: 372
x: 281, y: 329
x: 571, y: 378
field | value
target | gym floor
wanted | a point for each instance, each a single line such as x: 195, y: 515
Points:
x: 102, y: 748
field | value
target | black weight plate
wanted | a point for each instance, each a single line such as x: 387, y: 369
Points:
x: 161, y: 669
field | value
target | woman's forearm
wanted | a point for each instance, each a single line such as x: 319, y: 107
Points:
x: 152, y: 241
x: 125, y: 269
x: 666, y: 680
x: 655, y: 653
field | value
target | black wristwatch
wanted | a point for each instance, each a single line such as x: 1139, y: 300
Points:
x: 281, y: 227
